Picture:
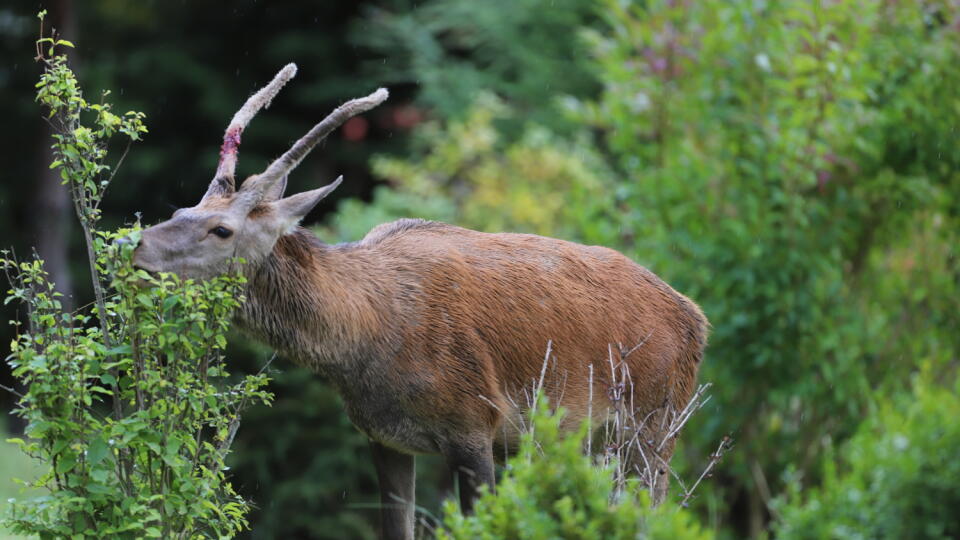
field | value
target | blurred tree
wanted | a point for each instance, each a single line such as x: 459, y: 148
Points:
x: 525, y: 52
x: 465, y: 171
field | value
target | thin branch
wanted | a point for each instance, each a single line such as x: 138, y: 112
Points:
x: 714, y: 459
x: 11, y: 390
x: 692, y: 406
x: 624, y: 355
x: 113, y: 173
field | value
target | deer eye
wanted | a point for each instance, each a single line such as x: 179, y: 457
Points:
x: 222, y: 232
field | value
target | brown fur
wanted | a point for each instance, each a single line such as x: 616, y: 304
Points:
x: 433, y: 333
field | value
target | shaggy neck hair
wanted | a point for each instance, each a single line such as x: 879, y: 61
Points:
x: 318, y: 304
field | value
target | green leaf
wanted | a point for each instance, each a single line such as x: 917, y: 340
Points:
x: 123, y: 349
x: 58, y: 446
x: 145, y: 299
x: 170, y: 301
x: 66, y: 462
x: 97, y: 451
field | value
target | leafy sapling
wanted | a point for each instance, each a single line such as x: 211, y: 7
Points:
x: 128, y: 404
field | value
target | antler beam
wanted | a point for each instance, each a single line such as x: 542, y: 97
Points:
x: 223, y: 181
x: 292, y: 157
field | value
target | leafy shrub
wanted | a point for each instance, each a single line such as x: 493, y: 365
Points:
x: 157, y: 470
x: 550, y: 489
x: 896, y: 478
x: 127, y: 404
x: 769, y: 175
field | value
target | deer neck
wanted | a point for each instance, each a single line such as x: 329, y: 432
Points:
x: 320, y: 305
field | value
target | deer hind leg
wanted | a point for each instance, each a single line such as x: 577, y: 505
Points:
x: 661, y: 473
x: 472, y: 463
x: 396, y: 473
x: 651, y: 458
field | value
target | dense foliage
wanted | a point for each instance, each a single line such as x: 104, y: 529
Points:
x: 127, y: 404
x: 897, y: 479
x: 764, y: 148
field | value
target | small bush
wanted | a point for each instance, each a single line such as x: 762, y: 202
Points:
x: 127, y: 403
x: 550, y: 489
x: 898, y: 478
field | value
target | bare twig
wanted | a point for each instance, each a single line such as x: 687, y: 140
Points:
x: 624, y: 355
x: 636, y: 445
x: 695, y: 404
x: 113, y: 173
x: 11, y: 390
x: 714, y: 459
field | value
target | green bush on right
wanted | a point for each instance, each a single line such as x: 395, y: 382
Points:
x: 550, y: 489
x: 898, y: 477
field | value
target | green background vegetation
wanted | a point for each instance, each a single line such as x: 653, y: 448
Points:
x: 792, y: 166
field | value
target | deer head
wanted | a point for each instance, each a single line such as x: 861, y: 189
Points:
x: 200, y: 242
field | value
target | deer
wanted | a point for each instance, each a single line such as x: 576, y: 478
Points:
x: 428, y: 331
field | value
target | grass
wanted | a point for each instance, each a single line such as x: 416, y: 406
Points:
x: 13, y: 464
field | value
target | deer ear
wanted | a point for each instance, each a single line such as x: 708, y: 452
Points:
x: 275, y: 191
x: 294, y: 207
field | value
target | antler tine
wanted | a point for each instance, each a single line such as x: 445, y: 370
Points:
x: 223, y: 180
x: 292, y: 157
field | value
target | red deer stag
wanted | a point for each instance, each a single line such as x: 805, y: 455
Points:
x: 430, y: 332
